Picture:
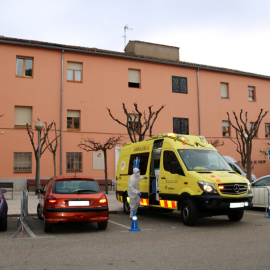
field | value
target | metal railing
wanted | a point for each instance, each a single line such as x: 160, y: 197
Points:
x: 24, y: 218
x: 261, y: 197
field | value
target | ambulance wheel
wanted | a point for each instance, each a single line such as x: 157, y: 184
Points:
x: 189, y: 213
x: 126, y: 206
x: 236, y: 215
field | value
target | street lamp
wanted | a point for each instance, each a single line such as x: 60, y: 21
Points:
x: 38, y: 127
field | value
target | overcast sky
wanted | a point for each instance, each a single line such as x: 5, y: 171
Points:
x: 223, y: 33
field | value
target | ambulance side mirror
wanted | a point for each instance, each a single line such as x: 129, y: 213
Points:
x: 176, y: 169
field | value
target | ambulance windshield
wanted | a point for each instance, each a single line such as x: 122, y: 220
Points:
x: 203, y: 160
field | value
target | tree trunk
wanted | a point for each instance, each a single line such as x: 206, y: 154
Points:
x: 105, y: 170
x: 248, y: 145
x: 54, y: 164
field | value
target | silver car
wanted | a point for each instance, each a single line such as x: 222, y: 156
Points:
x: 261, y: 190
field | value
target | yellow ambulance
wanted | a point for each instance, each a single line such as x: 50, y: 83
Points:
x: 185, y: 173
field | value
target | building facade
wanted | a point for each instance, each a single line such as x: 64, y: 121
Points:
x: 73, y: 87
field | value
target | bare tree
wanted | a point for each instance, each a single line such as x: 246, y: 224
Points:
x: 138, y: 123
x: 88, y: 145
x: 52, y: 146
x: 216, y: 143
x: 43, y: 145
x: 245, y: 132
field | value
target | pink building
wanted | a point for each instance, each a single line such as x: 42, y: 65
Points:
x: 73, y: 86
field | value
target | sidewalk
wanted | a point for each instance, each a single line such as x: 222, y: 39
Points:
x: 14, y: 205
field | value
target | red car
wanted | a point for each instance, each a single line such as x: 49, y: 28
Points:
x: 72, y: 199
x: 3, y: 211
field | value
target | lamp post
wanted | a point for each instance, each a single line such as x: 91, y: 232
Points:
x: 38, y: 127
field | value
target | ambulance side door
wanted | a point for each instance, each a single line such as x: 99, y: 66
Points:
x: 171, y: 175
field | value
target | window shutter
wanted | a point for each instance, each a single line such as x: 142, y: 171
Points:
x: 134, y: 76
x: 23, y: 115
x: 224, y: 90
x: 74, y: 66
x: 73, y: 113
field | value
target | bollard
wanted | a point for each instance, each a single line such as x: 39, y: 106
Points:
x: 134, y: 225
x: 268, y: 213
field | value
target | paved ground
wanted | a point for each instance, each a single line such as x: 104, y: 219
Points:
x: 14, y: 205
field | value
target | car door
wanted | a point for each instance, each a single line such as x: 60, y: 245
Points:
x: 261, y: 190
x: 170, y: 182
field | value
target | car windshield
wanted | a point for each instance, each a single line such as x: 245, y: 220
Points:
x: 203, y: 160
x: 75, y: 186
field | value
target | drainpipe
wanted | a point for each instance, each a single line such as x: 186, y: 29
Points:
x: 61, y: 112
x: 199, y: 107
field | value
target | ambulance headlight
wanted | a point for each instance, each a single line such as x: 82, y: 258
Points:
x: 207, y: 187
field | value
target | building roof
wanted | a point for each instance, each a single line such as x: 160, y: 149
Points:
x: 56, y: 46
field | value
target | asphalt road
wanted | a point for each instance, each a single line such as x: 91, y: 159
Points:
x: 163, y: 243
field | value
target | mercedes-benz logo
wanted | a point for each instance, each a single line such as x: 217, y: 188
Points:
x: 236, y: 188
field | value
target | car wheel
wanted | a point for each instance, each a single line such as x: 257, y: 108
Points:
x: 3, y: 224
x: 39, y: 212
x: 189, y: 213
x: 236, y: 215
x: 47, y: 226
x: 102, y: 225
x: 126, y: 205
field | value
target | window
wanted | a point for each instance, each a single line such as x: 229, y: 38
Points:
x: 24, y: 67
x: 133, y: 122
x: 168, y: 158
x: 134, y: 78
x: 251, y: 93
x: 180, y: 125
x: 23, y: 116
x: 22, y: 162
x: 141, y: 160
x: 179, y: 85
x: 225, y: 129
x: 251, y: 126
x: 73, y: 120
x: 267, y: 130
x: 74, y: 162
x: 74, y: 72
x: 224, y: 90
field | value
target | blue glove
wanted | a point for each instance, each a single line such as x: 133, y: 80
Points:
x: 139, y: 194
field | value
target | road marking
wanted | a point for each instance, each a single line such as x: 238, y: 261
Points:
x: 119, y: 224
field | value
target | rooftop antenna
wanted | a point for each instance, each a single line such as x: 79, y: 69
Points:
x: 125, y: 33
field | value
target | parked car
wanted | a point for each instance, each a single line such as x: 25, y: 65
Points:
x: 261, y: 190
x: 236, y: 166
x: 3, y: 210
x: 72, y: 199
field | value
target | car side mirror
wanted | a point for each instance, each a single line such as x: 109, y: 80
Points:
x: 176, y: 168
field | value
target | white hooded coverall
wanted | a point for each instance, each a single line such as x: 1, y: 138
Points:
x: 133, y: 190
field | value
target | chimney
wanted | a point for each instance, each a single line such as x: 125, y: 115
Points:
x: 152, y: 50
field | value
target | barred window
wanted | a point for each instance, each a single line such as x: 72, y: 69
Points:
x: 74, y: 162
x: 22, y: 162
x: 180, y: 125
x: 179, y: 85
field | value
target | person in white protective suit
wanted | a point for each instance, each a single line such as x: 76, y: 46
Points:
x: 133, y: 190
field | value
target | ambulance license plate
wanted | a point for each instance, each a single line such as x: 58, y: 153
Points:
x: 78, y: 203
x: 237, y: 205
